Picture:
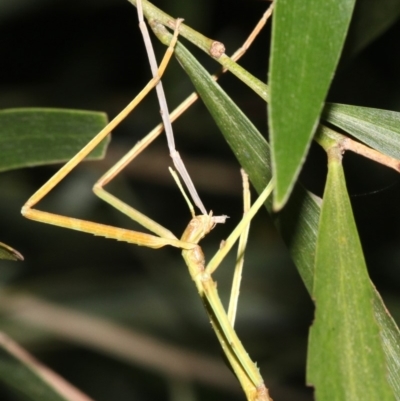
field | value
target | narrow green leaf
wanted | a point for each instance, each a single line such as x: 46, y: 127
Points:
x: 25, y: 375
x: 298, y: 221
x: 32, y: 137
x: 8, y: 253
x: 307, y: 39
x: 379, y: 129
x: 345, y: 356
x: 232, y: 122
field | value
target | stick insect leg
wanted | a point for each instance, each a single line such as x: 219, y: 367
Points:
x: 122, y: 163
x: 129, y: 211
x: 227, y: 246
x: 178, y: 163
x: 96, y: 228
x: 237, y: 276
x: 92, y: 227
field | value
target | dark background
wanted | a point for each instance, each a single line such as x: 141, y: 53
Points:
x: 89, y: 55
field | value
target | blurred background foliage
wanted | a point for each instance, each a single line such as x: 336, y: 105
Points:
x: 89, y: 55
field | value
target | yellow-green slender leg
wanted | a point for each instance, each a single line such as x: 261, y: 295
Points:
x: 237, y: 276
x: 95, y: 228
x: 222, y: 252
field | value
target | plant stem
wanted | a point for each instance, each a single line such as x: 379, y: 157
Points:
x: 326, y: 136
x: 152, y: 13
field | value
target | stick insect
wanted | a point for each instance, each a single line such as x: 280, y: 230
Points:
x: 199, y: 226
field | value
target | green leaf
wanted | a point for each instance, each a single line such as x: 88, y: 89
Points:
x: 307, y: 38
x: 27, y: 376
x: 345, y: 355
x: 32, y: 137
x: 298, y: 221
x: 8, y: 253
x: 379, y: 129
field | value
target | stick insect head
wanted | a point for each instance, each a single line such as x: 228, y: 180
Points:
x: 198, y: 228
